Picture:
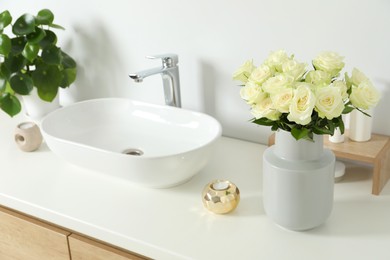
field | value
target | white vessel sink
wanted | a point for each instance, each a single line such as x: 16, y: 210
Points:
x: 151, y: 145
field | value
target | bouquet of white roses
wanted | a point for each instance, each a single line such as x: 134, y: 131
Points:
x: 284, y: 94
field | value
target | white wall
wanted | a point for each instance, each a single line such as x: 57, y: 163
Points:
x: 109, y: 39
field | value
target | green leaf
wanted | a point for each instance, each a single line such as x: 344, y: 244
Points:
x: 47, y: 78
x: 3, y: 83
x: 5, y: 19
x: 21, y: 83
x: 45, y: 16
x: 321, y: 131
x: 364, y: 113
x: 68, y: 77
x: 30, y: 51
x: 331, y: 127
x: 18, y: 44
x: 263, y: 121
x: 67, y: 61
x: 5, y: 44
x: 300, y: 133
x: 52, y: 55
x: 341, y: 125
x: 49, y: 39
x: 347, y: 109
x: 4, y: 71
x: 57, y: 26
x: 10, y: 104
x: 37, y: 36
x: 24, y: 25
x: 13, y: 63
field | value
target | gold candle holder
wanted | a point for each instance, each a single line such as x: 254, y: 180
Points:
x: 220, y: 196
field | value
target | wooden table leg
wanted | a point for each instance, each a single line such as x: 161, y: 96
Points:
x: 381, y: 172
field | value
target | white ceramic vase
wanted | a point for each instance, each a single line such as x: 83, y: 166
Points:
x: 360, y: 126
x: 298, y: 181
x: 37, y: 108
x: 337, y: 137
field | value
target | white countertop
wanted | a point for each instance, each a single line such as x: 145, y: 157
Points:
x: 172, y: 223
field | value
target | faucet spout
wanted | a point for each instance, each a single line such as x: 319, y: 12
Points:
x: 170, y: 76
x: 139, y: 76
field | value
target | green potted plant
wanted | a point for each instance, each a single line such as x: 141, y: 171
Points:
x: 30, y: 58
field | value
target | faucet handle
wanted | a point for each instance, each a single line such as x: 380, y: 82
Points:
x: 168, y: 60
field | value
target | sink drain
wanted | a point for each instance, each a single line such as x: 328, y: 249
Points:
x: 133, y: 152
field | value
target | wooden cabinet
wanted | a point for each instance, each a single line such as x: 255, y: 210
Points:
x: 25, y: 238
x: 82, y: 248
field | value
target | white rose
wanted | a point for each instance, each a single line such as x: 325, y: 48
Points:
x: 299, y: 84
x: 243, y: 73
x: 329, y: 62
x: 342, y: 86
x: 329, y: 102
x: 265, y: 109
x: 282, y: 99
x: 357, y: 77
x: 251, y: 93
x: 276, y: 59
x: 276, y: 83
x: 260, y: 74
x: 294, y: 69
x: 302, y: 105
x: 318, y: 77
x: 365, y: 95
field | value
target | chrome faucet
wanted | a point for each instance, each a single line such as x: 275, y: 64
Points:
x: 170, y: 76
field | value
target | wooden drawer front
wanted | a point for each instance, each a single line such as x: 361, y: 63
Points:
x: 23, y: 238
x: 82, y: 248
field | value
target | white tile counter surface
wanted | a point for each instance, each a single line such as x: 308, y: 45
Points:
x: 172, y: 223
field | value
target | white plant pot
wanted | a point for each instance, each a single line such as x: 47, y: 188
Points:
x: 337, y: 137
x: 360, y: 126
x: 69, y: 96
x: 298, y: 181
x: 37, y: 108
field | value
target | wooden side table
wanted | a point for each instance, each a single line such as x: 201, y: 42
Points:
x: 375, y: 152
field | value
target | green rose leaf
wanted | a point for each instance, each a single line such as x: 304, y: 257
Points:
x: 37, y: 36
x: 263, y: 121
x: 49, y: 39
x: 24, y: 25
x: 52, y: 55
x: 5, y: 19
x: 45, y: 16
x: 5, y: 44
x: 348, y: 109
x: 341, y: 125
x: 47, y: 79
x: 30, y: 51
x: 10, y: 104
x: 322, y: 130
x: 68, y: 77
x: 300, y: 133
x: 21, y: 83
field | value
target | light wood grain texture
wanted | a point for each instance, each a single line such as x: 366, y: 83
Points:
x: 83, y: 248
x: 375, y: 152
x: 23, y: 238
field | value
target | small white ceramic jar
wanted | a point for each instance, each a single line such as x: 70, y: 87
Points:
x: 28, y: 137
